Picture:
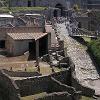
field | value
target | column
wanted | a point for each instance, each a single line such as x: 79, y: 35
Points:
x: 49, y: 41
x: 37, y: 50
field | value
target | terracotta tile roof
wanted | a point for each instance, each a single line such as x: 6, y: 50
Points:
x: 26, y: 36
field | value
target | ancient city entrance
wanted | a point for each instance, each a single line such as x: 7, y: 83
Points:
x: 43, y: 46
x: 32, y: 50
x: 56, y: 11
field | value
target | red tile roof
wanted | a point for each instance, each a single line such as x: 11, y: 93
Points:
x: 26, y: 36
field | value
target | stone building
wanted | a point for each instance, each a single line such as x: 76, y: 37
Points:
x: 89, y: 4
x: 35, y: 43
x: 25, y: 33
x: 61, y: 4
x: 5, y: 19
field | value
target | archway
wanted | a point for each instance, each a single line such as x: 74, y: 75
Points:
x: 56, y: 11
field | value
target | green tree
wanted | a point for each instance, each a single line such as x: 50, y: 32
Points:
x: 94, y: 47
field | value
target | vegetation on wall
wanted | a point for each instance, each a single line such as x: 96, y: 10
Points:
x: 76, y: 7
x: 17, y: 9
x: 94, y: 48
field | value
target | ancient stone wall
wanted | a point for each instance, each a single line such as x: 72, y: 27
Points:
x: 4, y: 31
x: 63, y: 76
x: 57, y: 86
x: 21, y: 74
x: 44, y: 3
x: 60, y: 91
x: 34, y: 85
x: 77, y: 85
x: 9, y: 87
x: 40, y: 84
x: 56, y: 96
x: 21, y: 30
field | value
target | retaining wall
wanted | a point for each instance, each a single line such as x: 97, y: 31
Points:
x: 34, y: 85
x: 63, y: 76
x: 40, y: 84
x: 56, y: 96
x: 60, y: 92
x: 75, y: 83
x: 21, y: 74
x: 9, y: 86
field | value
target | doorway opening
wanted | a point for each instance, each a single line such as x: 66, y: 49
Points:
x: 55, y: 13
x: 43, y: 46
x: 29, y: 3
x: 2, y: 44
x: 61, y: 10
x: 32, y: 50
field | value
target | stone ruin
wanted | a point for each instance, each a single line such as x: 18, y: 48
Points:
x: 19, y: 84
x: 58, y: 85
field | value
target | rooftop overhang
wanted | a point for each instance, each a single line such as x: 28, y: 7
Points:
x: 6, y: 16
x: 26, y: 36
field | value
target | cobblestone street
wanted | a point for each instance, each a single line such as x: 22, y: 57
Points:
x: 86, y: 72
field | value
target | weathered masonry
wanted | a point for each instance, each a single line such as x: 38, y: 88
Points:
x: 24, y: 33
x: 35, y: 43
x: 52, y: 4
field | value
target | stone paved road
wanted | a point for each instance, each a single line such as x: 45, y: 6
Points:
x: 85, y: 70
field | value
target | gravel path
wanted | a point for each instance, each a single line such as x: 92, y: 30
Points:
x: 85, y: 70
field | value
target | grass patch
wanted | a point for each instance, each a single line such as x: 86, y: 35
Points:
x: 94, y: 48
x: 86, y: 98
x: 18, y: 9
x: 86, y: 39
x: 31, y: 97
x: 31, y: 69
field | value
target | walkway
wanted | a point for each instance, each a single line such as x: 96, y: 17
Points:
x: 85, y: 70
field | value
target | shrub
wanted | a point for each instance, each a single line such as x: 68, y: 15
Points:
x: 94, y: 48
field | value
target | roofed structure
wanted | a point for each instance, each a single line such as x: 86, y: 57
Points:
x: 6, y: 16
x: 26, y: 36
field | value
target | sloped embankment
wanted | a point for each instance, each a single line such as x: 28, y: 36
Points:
x: 85, y: 70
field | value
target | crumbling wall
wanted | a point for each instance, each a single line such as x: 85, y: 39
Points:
x: 56, y: 96
x: 60, y: 91
x: 33, y: 85
x: 40, y: 84
x: 9, y: 87
x: 63, y: 76
x: 21, y: 74
x: 77, y: 85
x: 57, y: 86
x: 4, y: 31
